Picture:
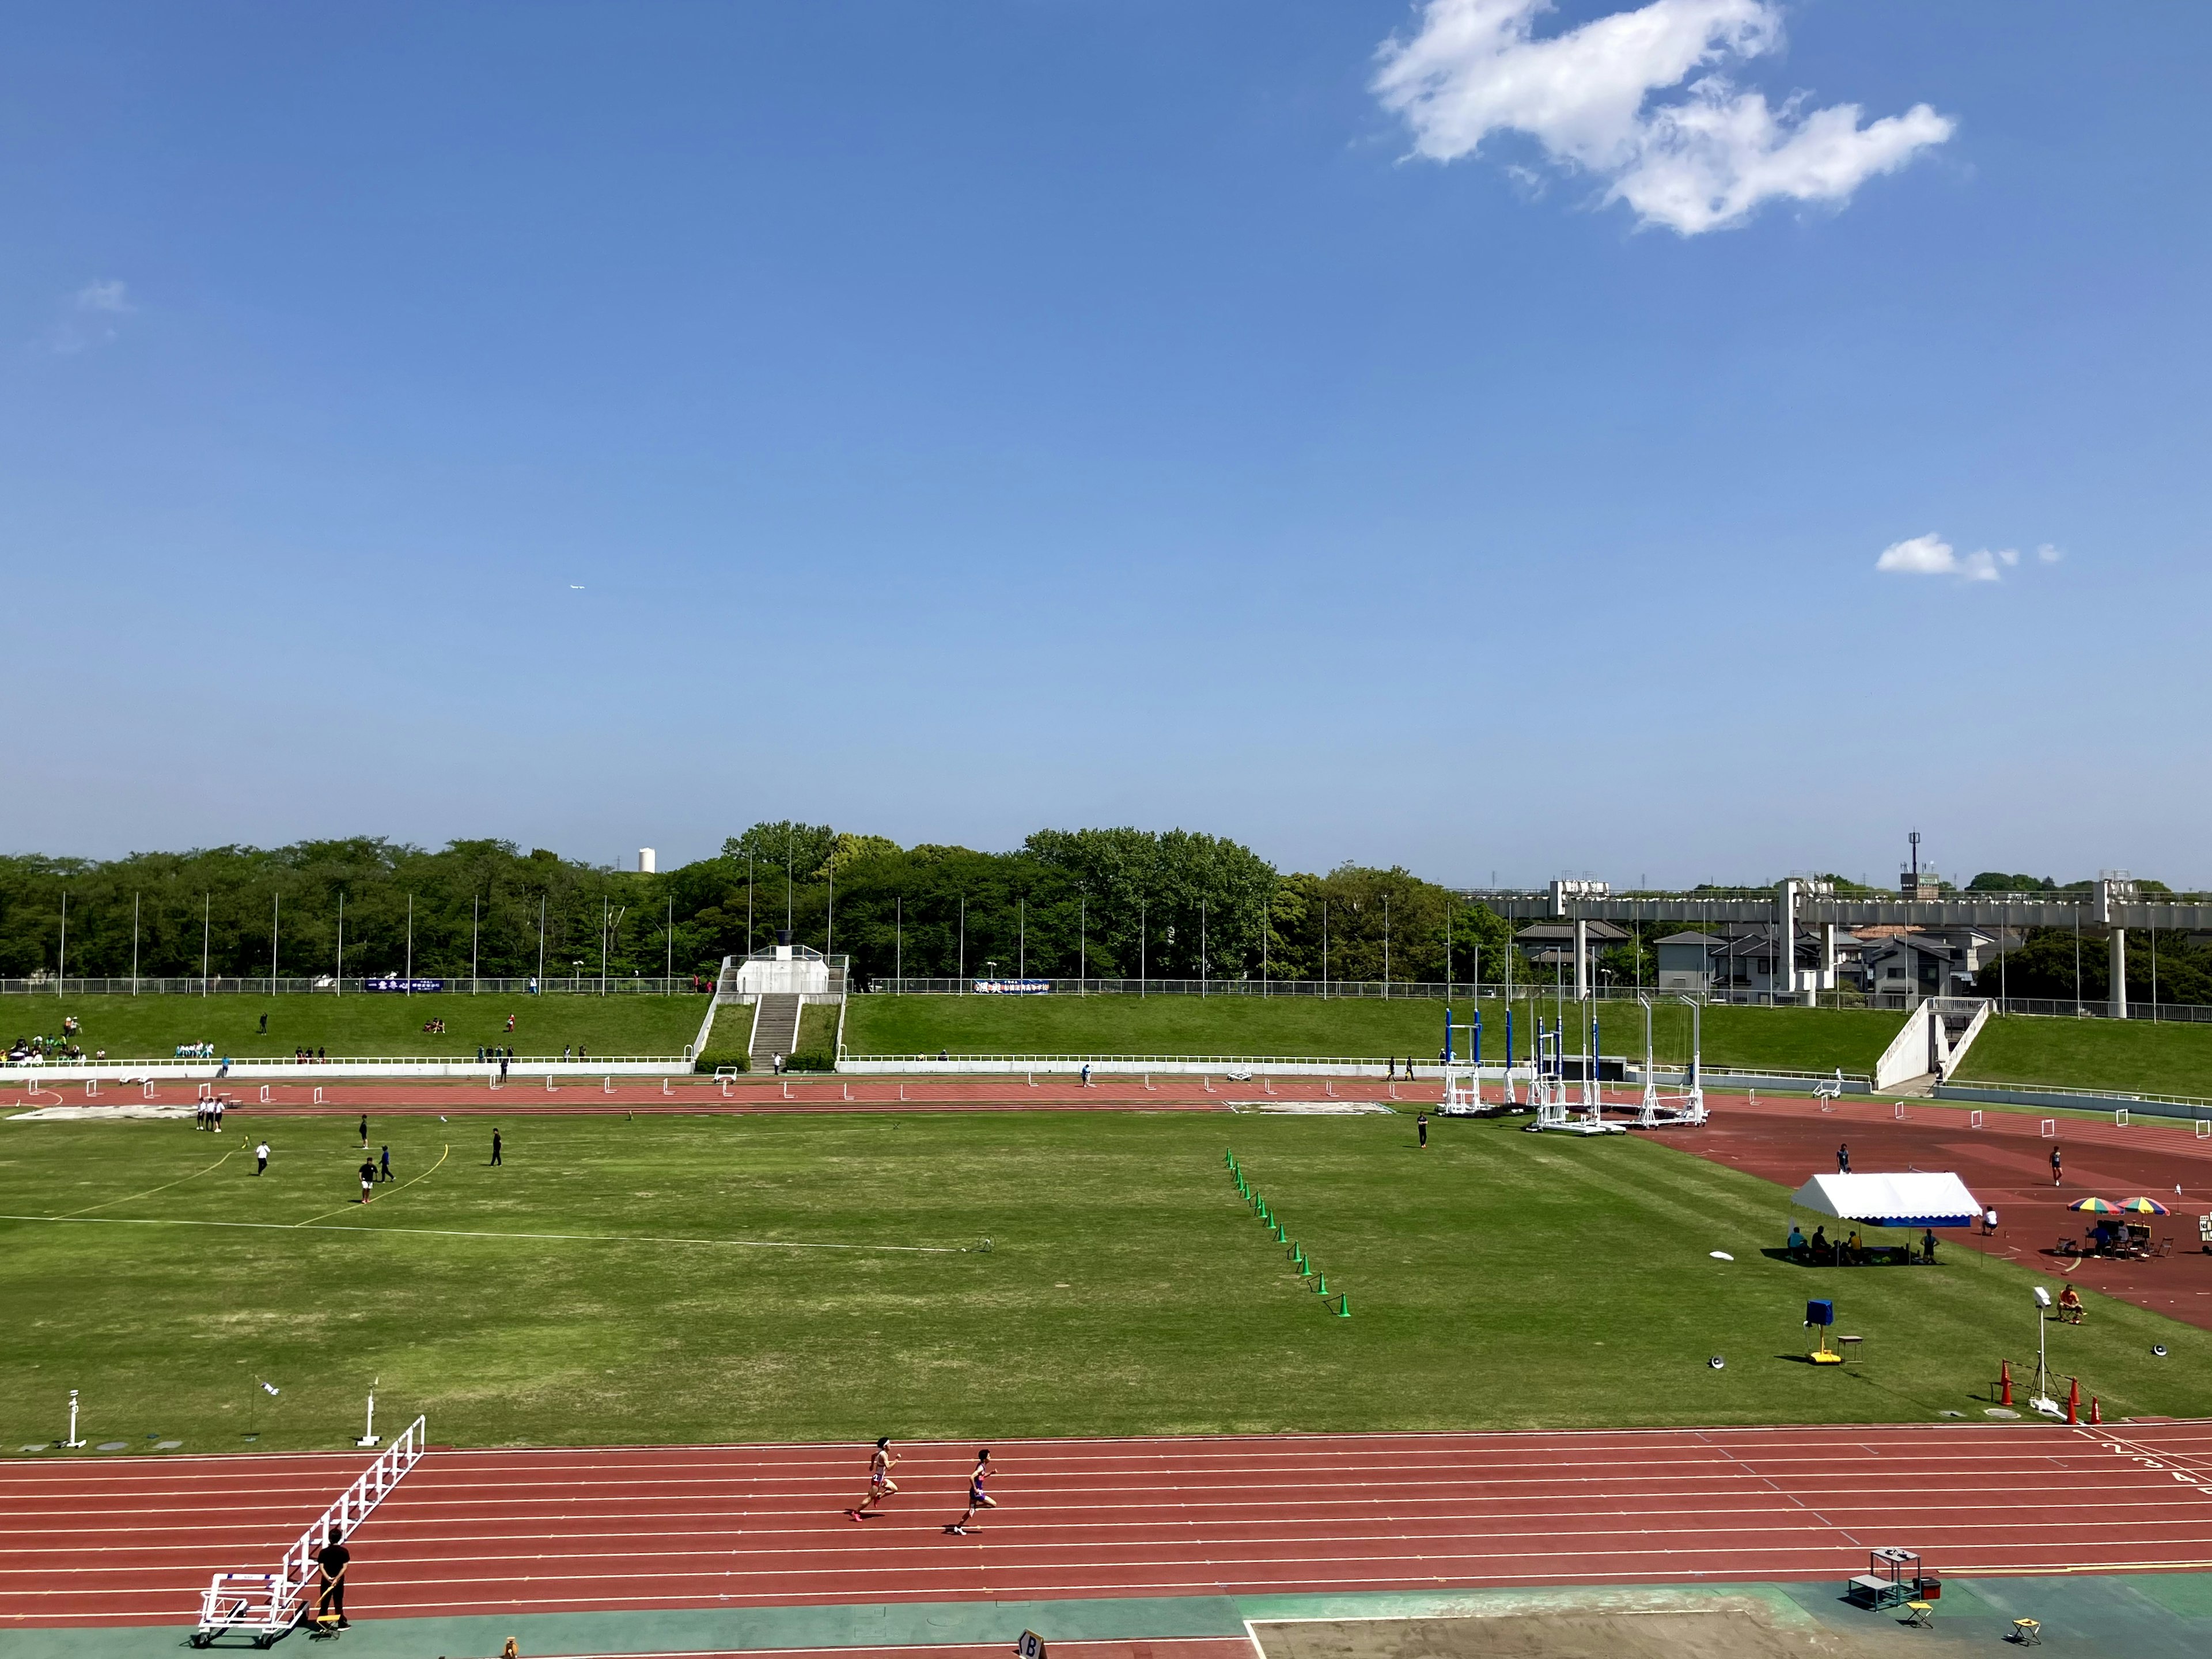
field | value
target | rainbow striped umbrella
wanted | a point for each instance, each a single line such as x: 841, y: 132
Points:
x: 2145, y: 1207
x: 2095, y: 1206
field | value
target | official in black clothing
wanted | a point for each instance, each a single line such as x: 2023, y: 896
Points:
x: 332, y: 1560
x: 495, y: 1146
x: 1421, y: 1124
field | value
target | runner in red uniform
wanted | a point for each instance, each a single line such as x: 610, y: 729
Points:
x: 880, y: 1484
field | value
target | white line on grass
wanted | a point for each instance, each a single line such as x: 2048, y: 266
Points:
x: 455, y: 1233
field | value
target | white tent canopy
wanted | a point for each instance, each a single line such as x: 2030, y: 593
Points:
x: 1919, y: 1198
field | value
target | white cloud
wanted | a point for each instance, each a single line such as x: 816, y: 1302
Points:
x: 1931, y: 556
x: 90, y: 317
x: 1701, y: 163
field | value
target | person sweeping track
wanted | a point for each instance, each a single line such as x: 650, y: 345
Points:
x: 977, y: 1498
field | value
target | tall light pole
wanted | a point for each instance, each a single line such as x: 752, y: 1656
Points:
x: 134, y: 945
x: 61, y: 956
x: 276, y: 915
x: 205, y: 901
x: 339, y: 980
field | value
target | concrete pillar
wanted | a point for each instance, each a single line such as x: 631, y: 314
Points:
x: 2120, y: 1005
x: 1581, y: 960
x: 1829, y: 958
x: 1783, y: 980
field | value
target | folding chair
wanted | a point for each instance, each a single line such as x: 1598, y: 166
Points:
x: 1920, y: 1614
x: 2028, y: 1632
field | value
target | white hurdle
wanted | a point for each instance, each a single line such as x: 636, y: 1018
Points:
x: 146, y: 1089
x: 2204, y: 1128
x: 319, y: 1096
x: 91, y: 1089
x: 606, y: 1085
x: 207, y: 1092
x: 1896, y: 1108
x: 1973, y: 1120
x: 2120, y: 1118
x: 265, y: 1094
x: 2049, y: 1128
x: 667, y: 1088
x: 724, y: 1082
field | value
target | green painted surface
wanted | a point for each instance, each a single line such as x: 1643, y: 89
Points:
x: 2143, y: 1616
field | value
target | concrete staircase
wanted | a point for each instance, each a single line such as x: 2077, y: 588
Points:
x: 1934, y: 1039
x: 775, y: 1029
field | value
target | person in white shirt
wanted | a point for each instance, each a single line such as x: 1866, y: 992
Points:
x: 261, y: 1159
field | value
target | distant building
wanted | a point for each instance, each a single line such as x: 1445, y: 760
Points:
x: 1552, y: 943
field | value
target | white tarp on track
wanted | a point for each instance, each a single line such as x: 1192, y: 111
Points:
x: 1914, y: 1199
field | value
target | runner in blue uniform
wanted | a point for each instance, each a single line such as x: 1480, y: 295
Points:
x: 977, y: 1498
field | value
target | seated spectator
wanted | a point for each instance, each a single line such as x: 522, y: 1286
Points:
x: 1822, y: 1250
x: 2069, y: 1305
x: 1796, y: 1243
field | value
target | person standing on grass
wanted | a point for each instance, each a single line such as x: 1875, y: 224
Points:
x: 384, y: 1167
x: 1421, y: 1127
x: 367, y: 1177
x: 977, y: 1498
x: 880, y: 1484
x: 218, y: 1113
x: 331, y: 1563
x: 364, y: 1132
x: 494, y: 1149
x: 1844, y: 1158
x: 2057, y: 1167
x: 261, y: 1159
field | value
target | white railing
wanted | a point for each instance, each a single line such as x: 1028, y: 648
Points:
x: 353, y: 1508
x: 1413, y: 1068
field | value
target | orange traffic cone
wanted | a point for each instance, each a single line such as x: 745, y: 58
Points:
x: 2004, y: 1381
x: 2073, y: 1400
x: 2095, y: 1416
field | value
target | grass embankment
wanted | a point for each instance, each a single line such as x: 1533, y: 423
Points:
x: 598, y: 1288
x: 1794, y: 1039
x: 151, y: 1027
x: 2134, y: 1056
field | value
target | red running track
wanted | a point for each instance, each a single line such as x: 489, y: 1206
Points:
x: 613, y: 1528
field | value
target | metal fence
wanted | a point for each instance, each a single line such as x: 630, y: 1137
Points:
x: 47, y: 985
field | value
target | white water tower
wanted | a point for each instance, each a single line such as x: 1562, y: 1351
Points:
x: 645, y: 861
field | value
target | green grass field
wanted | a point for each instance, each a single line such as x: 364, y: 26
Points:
x: 2135, y: 1056
x: 1797, y: 1039
x: 151, y: 1027
x: 627, y: 1281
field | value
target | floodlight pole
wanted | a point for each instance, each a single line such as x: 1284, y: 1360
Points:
x: 61, y: 957
x: 276, y: 916
x: 339, y: 981
x: 1650, y: 1086
x: 134, y: 945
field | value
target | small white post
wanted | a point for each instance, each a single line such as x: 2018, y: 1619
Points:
x: 72, y: 1440
x: 368, y: 1429
x: 665, y: 1088
x: 606, y: 1085
x: 319, y: 1097
x: 146, y: 1089
x: 265, y: 1094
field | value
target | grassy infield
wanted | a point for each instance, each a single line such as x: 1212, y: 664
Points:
x: 1499, y: 1280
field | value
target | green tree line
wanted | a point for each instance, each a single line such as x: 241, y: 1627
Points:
x: 1112, y: 903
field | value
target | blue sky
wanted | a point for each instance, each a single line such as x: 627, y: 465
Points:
x: 605, y: 426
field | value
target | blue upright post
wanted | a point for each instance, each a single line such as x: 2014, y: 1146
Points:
x: 1448, y: 1035
x: 1509, y: 1036
x: 1477, y: 1036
